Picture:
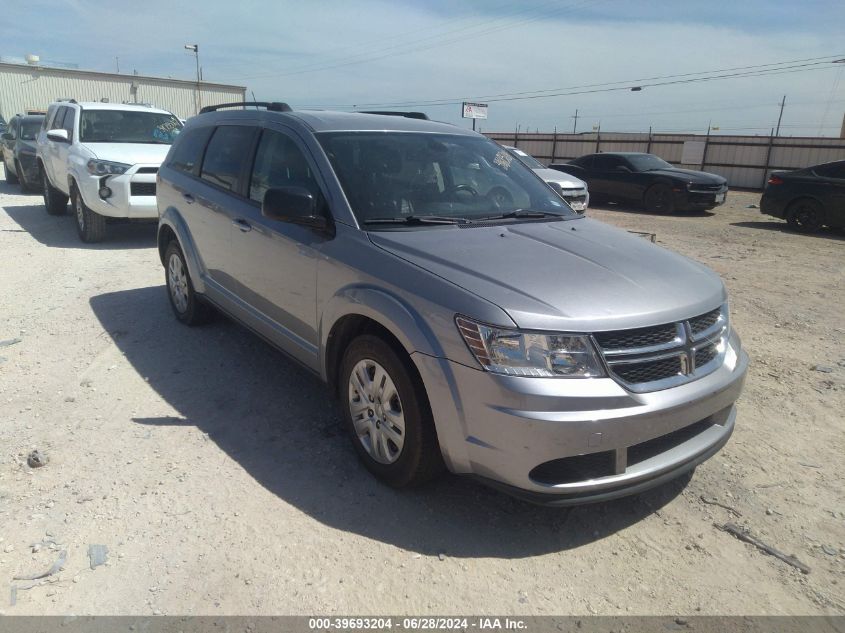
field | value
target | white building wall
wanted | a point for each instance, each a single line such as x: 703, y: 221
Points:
x: 24, y: 87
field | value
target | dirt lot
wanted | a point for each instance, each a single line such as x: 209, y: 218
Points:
x: 214, y: 470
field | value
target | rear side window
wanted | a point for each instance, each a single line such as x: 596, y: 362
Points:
x: 225, y: 155
x: 187, y: 152
x: 280, y: 163
x: 606, y: 163
x: 831, y: 170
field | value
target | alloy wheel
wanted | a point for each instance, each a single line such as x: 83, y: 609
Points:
x: 177, y: 282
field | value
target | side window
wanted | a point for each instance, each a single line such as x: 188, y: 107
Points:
x: 832, y: 170
x: 225, y: 155
x: 67, y: 124
x: 584, y: 161
x: 187, y: 151
x: 280, y: 163
x: 56, y: 123
x: 606, y: 163
x: 13, y: 127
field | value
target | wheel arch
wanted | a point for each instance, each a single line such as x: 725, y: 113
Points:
x: 172, y: 226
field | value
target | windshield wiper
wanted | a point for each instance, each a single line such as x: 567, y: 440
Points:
x: 417, y: 219
x: 521, y: 213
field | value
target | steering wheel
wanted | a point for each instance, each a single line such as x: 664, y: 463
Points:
x: 458, y: 188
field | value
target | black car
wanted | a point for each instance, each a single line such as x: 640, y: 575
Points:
x: 645, y: 179
x: 17, y: 150
x: 809, y: 198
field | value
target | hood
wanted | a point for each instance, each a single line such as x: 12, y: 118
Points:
x: 566, y: 181
x: 690, y: 175
x: 577, y: 275
x: 130, y: 153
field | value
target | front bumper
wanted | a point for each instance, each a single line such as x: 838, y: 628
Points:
x: 29, y: 165
x: 701, y: 198
x: 578, y: 199
x: 515, y: 432
x: 132, y: 193
x: 774, y: 206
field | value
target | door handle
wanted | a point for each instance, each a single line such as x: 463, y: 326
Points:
x: 243, y: 225
x: 188, y: 198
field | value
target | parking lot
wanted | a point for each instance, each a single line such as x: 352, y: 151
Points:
x: 216, y: 472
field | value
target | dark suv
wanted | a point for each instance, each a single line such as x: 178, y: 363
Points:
x: 507, y: 337
x: 18, y: 150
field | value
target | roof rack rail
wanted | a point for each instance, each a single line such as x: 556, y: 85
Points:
x: 67, y: 99
x: 408, y: 115
x: 272, y: 106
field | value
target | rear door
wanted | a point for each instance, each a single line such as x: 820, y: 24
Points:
x: 275, y: 262
x: 608, y: 179
x: 831, y: 189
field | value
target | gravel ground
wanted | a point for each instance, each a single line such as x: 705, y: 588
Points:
x: 215, y: 472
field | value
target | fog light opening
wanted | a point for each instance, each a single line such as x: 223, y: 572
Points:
x: 105, y: 192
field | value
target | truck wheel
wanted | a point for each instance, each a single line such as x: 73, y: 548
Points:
x: 187, y: 305
x: 658, y: 199
x: 805, y: 216
x: 90, y: 225
x: 387, y: 414
x: 54, y: 200
x: 11, y: 178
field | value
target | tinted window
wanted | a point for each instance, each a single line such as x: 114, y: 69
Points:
x: 187, y: 153
x: 604, y: 162
x: 29, y: 129
x: 832, y: 170
x: 648, y: 162
x: 224, y: 158
x: 584, y: 161
x: 279, y: 163
x: 56, y: 123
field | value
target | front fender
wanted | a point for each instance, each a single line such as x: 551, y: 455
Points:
x: 171, y: 222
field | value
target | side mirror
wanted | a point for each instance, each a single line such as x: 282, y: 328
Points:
x: 292, y: 204
x: 7, y: 136
x: 623, y: 168
x: 58, y: 135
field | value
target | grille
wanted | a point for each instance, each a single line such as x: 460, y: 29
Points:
x: 142, y: 189
x: 649, y: 370
x: 652, y: 448
x: 571, y: 469
x: 147, y: 170
x: 701, y: 323
x: 714, y: 188
x: 705, y: 355
x: 642, y: 337
x: 581, y: 198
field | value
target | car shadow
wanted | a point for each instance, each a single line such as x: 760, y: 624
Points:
x: 59, y: 231
x: 277, y: 421
x: 783, y: 227
x: 16, y: 190
x: 627, y: 208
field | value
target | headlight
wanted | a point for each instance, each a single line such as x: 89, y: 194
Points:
x: 106, y: 167
x: 516, y: 353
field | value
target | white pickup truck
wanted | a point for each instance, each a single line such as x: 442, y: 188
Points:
x: 104, y: 157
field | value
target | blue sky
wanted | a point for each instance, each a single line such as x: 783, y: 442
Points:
x: 334, y: 53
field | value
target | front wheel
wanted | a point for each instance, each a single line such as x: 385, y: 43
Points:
x: 187, y: 305
x: 805, y: 216
x: 659, y: 199
x: 90, y: 225
x: 388, y: 414
x: 54, y: 200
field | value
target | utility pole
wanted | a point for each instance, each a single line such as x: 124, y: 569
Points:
x: 195, y: 48
x: 117, y: 64
x: 780, y: 116
x: 575, y: 124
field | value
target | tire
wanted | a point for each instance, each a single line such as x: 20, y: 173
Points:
x: 11, y: 178
x: 54, y: 200
x: 90, y: 226
x: 659, y: 199
x: 392, y: 428
x: 187, y: 305
x: 805, y: 216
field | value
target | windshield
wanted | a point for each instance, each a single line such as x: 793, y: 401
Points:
x: 528, y: 161
x: 29, y: 130
x: 401, y: 175
x: 125, y: 126
x: 647, y: 162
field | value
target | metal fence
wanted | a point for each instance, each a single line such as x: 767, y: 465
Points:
x: 746, y: 161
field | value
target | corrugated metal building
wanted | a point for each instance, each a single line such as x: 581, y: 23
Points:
x: 32, y: 87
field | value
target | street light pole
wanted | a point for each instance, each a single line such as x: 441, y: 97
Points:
x: 195, y: 48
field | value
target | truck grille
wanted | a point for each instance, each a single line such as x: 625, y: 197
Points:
x: 142, y: 189
x: 663, y: 356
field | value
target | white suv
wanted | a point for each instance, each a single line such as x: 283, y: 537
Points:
x: 105, y: 158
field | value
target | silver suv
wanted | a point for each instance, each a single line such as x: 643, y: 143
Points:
x: 511, y: 338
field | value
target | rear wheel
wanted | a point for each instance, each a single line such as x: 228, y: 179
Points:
x: 187, y: 305
x: 11, y: 178
x: 805, y: 216
x: 388, y: 414
x: 54, y: 200
x: 659, y: 199
x: 90, y: 225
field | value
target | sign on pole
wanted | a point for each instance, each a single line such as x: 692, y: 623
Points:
x: 474, y: 111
